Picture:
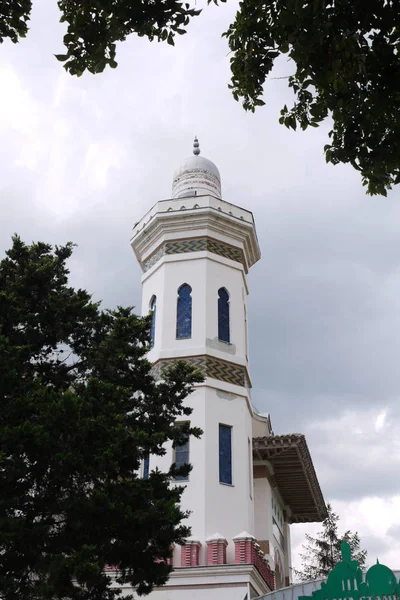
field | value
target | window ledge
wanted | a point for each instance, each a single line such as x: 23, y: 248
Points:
x: 227, y: 484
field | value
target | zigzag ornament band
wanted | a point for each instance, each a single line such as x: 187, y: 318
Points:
x: 210, y: 367
x: 199, y: 244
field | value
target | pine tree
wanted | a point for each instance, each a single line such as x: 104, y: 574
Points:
x: 79, y: 412
x: 323, y: 552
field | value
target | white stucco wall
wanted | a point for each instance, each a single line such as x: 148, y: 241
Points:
x: 263, y: 514
x: 228, y: 582
x: 214, y: 507
x: 206, y: 273
x: 215, y: 592
x: 229, y: 509
x: 288, y: 555
x: 262, y: 509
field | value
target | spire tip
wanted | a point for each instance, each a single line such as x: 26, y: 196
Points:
x: 196, y: 146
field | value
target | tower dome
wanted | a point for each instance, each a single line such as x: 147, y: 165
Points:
x: 196, y: 176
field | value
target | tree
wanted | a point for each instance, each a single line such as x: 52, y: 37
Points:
x: 80, y: 410
x: 94, y: 27
x: 345, y: 62
x: 323, y: 552
x: 344, y: 59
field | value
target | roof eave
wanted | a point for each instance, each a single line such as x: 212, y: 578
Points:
x: 295, y: 475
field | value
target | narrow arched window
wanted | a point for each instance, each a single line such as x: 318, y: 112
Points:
x: 153, y: 309
x: 184, y: 312
x: 223, y: 315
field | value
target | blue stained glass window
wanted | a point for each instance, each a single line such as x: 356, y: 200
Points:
x: 146, y: 467
x: 153, y: 309
x: 225, y: 454
x: 184, y: 312
x: 223, y: 315
x: 182, y: 458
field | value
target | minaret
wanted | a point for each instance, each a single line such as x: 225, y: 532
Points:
x: 195, y: 251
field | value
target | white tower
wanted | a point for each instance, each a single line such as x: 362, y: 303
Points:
x: 195, y: 251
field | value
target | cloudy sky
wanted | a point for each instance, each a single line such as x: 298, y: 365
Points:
x: 83, y: 159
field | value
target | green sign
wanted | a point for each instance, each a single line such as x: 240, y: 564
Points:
x: 346, y: 582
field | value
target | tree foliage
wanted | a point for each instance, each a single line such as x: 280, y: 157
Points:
x: 94, y: 27
x: 323, y: 552
x: 14, y: 16
x: 345, y: 65
x: 79, y: 412
x: 344, y: 57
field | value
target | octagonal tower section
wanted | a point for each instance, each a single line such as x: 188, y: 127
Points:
x: 195, y: 251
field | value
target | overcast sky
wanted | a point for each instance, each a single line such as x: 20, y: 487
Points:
x: 83, y: 159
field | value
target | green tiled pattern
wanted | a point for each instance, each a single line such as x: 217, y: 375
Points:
x: 195, y: 245
x: 210, y: 367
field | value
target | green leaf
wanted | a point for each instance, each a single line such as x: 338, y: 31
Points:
x: 291, y: 121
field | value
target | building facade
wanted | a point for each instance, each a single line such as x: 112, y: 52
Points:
x: 247, y: 485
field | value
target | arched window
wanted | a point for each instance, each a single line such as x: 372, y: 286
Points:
x: 184, y: 312
x: 153, y: 308
x: 223, y: 315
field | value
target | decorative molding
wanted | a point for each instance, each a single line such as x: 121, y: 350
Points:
x: 190, y: 554
x: 192, y: 178
x: 217, y: 344
x: 294, y: 474
x: 210, y: 366
x: 153, y: 258
x: 196, y: 244
x: 216, y: 550
x: 203, y: 577
x: 208, y: 217
x: 249, y: 552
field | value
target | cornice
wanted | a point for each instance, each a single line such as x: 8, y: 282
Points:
x: 207, y: 220
x: 244, y: 572
x: 294, y: 473
x: 190, y: 577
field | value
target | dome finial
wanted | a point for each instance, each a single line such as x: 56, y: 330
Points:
x: 196, y: 146
x: 196, y: 176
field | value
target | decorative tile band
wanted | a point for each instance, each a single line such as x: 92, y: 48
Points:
x: 210, y: 367
x: 199, y: 244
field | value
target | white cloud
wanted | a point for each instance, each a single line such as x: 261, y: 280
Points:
x: 372, y: 518
x: 20, y: 112
x: 380, y: 421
